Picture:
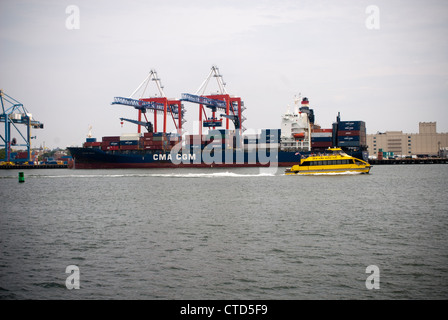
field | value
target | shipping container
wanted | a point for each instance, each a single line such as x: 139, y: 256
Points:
x: 152, y: 147
x: 91, y: 144
x: 130, y: 136
x: 322, y: 144
x: 322, y: 134
x: 129, y: 147
x: 321, y: 131
x: 111, y: 138
x: 91, y: 140
x: 342, y: 133
x: 351, y: 125
x: 162, y: 138
x: 321, y: 139
x: 155, y: 143
x: 348, y: 138
x: 128, y: 142
x: 349, y: 143
x: 20, y: 155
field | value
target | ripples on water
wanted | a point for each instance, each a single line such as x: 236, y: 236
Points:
x: 224, y: 234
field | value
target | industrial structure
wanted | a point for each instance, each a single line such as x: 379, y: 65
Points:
x: 158, y: 104
x: 18, y: 123
x: 229, y: 107
x: 222, y: 101
x: 427, y: 142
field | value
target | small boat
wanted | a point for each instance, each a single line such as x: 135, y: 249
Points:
x: 333, y: 161
x: 299, y: 135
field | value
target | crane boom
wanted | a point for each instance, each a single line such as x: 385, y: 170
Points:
x: 138, y: 104
x: 211, y: 103
x: 147, y: 125
x: 234, y: 118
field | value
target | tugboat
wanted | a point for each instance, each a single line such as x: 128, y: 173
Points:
x: 335, y: 161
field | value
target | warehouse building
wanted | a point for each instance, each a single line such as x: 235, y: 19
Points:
x: 427, y: 142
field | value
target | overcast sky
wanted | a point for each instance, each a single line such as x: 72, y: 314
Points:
x: 392, y: 75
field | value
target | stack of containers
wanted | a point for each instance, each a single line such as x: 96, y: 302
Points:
x: 110, y: 143
x: 195, y: 142
x: 21, y: 155
x: 322, y: 138
x: 91, y: 143
x: 352, y: 134
x: 269, y: 138
x: 155, y: 141
x: 251, y: 141
x: 173, y: 139
x: 129, y: 141
x: 221, y: 138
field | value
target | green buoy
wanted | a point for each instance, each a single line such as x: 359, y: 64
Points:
x: 21, y: 177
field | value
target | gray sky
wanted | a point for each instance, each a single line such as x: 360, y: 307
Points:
x: 267, y: 51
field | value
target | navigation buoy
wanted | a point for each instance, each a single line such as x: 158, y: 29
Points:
x: 21, y: 177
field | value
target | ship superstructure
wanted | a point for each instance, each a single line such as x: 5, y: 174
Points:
x: 296, y: 127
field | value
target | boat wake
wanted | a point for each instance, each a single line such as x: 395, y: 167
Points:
x: 213, y: 175
x: 158, y: 175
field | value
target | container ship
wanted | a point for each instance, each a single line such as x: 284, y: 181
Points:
x: 298, y: 137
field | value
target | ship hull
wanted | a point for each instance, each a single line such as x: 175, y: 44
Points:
x: 90, y: 158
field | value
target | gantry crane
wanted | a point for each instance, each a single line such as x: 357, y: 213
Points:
x: 232, y: 106
x: 13, y: 114
x: 154, y: 104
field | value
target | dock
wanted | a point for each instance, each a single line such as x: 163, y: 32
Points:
x: 37, y: 166
x: 409, y: 161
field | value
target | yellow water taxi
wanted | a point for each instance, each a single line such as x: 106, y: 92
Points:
x: 334, y: 161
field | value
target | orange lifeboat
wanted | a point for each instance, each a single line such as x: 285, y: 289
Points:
x: 299, y: 135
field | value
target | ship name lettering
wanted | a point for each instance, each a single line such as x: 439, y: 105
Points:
x: 178, y: 157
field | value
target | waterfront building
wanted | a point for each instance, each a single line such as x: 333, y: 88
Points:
x: 427, y: 142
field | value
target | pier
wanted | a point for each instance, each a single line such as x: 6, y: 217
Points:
x: 409, y: 161
x: 37, y: 166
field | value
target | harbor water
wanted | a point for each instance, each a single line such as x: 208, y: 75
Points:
x: 246, y: 233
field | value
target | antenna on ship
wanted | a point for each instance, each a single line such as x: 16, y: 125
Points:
x: 297, y: 98
x: 89, y: 134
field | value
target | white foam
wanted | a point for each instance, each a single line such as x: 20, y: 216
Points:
x: 162, y: 175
